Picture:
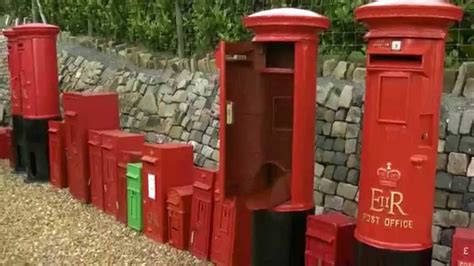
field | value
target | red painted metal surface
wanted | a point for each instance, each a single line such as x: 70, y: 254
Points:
x: 179, y: 213
x: 405, y: 60
x: 14, y: 70
x: 5, y: 149
x: 57, y: 154
x: 463, y: 247
x: 201, y: 214
x: 38, y: 70
x: 112, y: 143
x: 125, y: 157
x: 95, y: 168
x: 10, y: 147
x: 231, y: 233
x: 83, y: 112
x: 164, y: 166
x: 330, y: 240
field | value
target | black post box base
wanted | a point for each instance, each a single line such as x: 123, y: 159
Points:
x: 37, y: 143
x: 19, y: 144
x: 369, y: 256
x: 278, y: 238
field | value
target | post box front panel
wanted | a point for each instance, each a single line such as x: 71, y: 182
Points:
x: 109, y: 167
x: 463, y: 247
x: 176, y: 229
x: 95, y: 166
x: 125, y: 157
x: 223, y: 232
x: 134, y: 197
x: 27, y: 82
x: 153, y: 203
x: 15, y: 86
x: 57, y: 154
x: 179, y: 209
x: 400, y: 141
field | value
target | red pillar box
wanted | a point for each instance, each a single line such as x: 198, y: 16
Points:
x: 18, y: 134
x: 57, y: 154
x: 83, y: 112
x: 164, y: 166
x: 125, y: 157
x: 179, y: 214
x: 112, y: 143
x: 39, y: 92
x: 4, y: 143
x: 330, y: 240
x: 463, y: 247
x: 95, y: 168
x: 201, y: 213
x: 405, y: 60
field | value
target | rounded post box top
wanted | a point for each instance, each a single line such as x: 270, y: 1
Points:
x: 36, y: 29
x: 417, y: 9
x: 285, y: 21
x: 9, y: 33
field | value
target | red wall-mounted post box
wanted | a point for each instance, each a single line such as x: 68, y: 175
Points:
x: 463, y: 247
x: 57, y: 154
x: 164, y: 166
x: 112, y: 143
x: 179, y: 214
x: 201, y: 213
x: 95, y: 168
x: 81, y: 113
x: 330, y: 240
x: 405, y: 66
x: 125, y: 157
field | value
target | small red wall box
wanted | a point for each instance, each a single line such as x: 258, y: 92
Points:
x: 330, y: 240
x: 201, y: 213
x: 463, y: 247
x: 164, y: 166
x: 57, y: 154
x: 5, y: 143
x: 125, y: 157
x: 179, y: 212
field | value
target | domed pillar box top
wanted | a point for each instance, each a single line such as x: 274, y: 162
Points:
x: 415, y: 18
x: 36, y: 29
x: 285, y: 24
x: 9, y: 33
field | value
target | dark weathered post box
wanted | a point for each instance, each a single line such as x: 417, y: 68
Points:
x: 125, y: 157
x: 462, y: 253
x: 267, y: 133
x: 18, y: 134
x: 405, y: 59
x: 179, y: 213
x: 57, y: 154
x: 36, y: 46
x: 164, y: 166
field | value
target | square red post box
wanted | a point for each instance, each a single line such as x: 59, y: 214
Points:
x: 95, y: 168
x: 125, y: 157
x: 81, y: 113
x: 57, y: 154
x: 179, y: 212
x: 112, y: 143
x: 201, y: 212
x: 330, y: 240
x: 164, y: 166
x: 463, y: 247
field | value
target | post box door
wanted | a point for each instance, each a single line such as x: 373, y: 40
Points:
x: 25, y: 51
x: 151, y: 197
x: 222, y: 241
x: 175, y: 227
x: 55, y: 148
x: 14, y: 65
x: 201, y: 224
x: 95, y: 165
x: 125, y: 158
x: 110, y: 180
x: 74, y: 150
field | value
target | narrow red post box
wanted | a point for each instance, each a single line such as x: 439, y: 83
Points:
x: 405, y: 60
x: 57, y: 154
x: 330, y: 240
x: 18, y: 134
x: 462, y: 253
x: 112, y: 143
x: 179, y: 214
x: 36, y: 47
x: 125, y: 157
x: 201, y: 213
x: 164, y: 166
x: 267, y: 127
x: 95, y: 168
x: 83, y: 112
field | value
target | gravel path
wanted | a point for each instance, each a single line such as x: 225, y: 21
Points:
x: 40, y: 224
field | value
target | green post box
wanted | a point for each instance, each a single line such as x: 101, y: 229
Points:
x: 134, y: 196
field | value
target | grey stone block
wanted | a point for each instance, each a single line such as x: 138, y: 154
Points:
x: 328, y: 67
x: 318, y: 198
x: 359, y: 75
x: 196, y: 135
x: 468, y: 204
x: 437, y: 263
x: 441, y: 253
x: 327, y: 186
x: 339, y: 145
x: 339, y: 129
x: 351, y: 146
x: 466, y: 122
x: 333, y: 101
x: 329, y: 116
x: 175, y: 132
x: 340, y: 174
x: 452, y: 143
x: 340, y: 115
x: 340, y: 70
x: 470, y: 168
x: 329, y: 171
x: 353, y: 161
x: 469, y: 88
x: 323, y: 91
x: 443, y: 180
x: 457, y: 163
x: 441, y: 198
x: 460, y: 81
x: 340, y: 158
x: 353, y: 177
x: 327, y: 129
x: 333, y: 202
x: 185, y: 136
x: 460, y: 184
x: 436, y: 233
x: 442, y: 162
x: 320, y: 141
x: 352, y: 131
x: 441, y: 217
x: 458, y: 218
x: 346, y: 97
x: 354, y: 114
x: 467, y: 145
x: 318, y: 169
x: 441, y: 145
x: 347, y: 191
x: 318, y: 154
x: 328, y: 144
x: 328, y: 156
x: 454, y: 121
x: 471, y: 185
x: 319, y: 127
x: 455, y: 201
x: 349, y: 208
x: 447, y: 237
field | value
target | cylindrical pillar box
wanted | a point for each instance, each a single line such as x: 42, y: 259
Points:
x: 405, y: 66
x: 36, y: 46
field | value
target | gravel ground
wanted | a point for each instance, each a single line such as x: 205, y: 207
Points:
x: 40, y: 224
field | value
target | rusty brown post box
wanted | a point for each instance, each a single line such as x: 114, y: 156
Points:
x: 405, y: 60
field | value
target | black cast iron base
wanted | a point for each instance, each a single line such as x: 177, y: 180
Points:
x: 36, y: 131
x: 19, y: 144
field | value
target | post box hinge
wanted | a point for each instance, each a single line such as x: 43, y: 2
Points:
x: 229, y: 113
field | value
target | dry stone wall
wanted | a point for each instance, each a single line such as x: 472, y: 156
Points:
x: 4, y: 83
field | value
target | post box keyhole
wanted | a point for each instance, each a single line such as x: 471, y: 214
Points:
x: 424, y: 136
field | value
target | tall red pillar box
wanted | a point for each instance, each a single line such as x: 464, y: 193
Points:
x: 112, y: 143
x: 18, y: 134
x: 405, y: 67
x: 95, y: 168
x: 462, y: 253
x: 164, y: 166
x: 179, y: 214
x: 57, y: 154
x: 39, y: 92
x: 201, y: 213
x: 83, y: 112
x: 125, y: 157
x: 330, y: 240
